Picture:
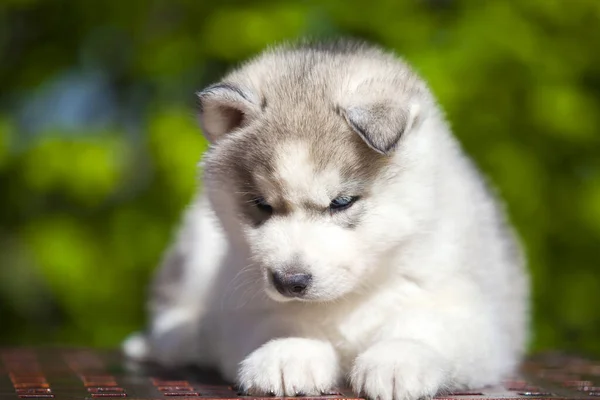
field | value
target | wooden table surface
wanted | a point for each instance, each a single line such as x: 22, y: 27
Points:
x: 83, y: 373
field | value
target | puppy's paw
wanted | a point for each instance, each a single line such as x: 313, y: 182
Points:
x: 289, y: 367
x: 399, y: 370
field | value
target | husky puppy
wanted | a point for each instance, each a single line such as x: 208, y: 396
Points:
x: 341, y: 233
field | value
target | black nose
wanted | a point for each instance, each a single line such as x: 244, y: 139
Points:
x: 291, y: 284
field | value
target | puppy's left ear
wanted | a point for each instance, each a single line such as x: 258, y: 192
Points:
x: 381, y: 125
x: 224, y: 107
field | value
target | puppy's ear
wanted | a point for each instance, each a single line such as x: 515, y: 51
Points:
x: 224, y: 107
x: 382, y: 124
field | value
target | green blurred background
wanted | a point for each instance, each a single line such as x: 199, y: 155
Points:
x: 99, y: 143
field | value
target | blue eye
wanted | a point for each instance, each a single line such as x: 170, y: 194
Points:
x: 342, y: 202
x: 262, y: 205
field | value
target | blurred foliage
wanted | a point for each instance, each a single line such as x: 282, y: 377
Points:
x: 99, y: 142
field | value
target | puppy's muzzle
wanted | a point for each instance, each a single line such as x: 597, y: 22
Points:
x: 291, y: 284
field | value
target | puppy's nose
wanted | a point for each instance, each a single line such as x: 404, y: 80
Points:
x: 291, y: 284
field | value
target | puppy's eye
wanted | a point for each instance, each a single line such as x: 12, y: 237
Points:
x: 342, y: 202
x: 262, y: 205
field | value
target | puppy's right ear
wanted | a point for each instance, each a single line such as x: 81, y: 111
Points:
x: 224, y: 107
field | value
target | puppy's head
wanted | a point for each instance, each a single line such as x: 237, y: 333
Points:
x: 306, y: 165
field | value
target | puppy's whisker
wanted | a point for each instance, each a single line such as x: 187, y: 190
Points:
x: 236, y: 283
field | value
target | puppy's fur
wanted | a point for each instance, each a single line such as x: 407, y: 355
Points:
x: 418, y: 286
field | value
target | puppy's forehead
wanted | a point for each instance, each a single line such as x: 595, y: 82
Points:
x: 315, y: 170
x: 305, y: 155
x: 298, y: 177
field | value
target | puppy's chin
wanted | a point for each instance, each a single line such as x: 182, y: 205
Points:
x: 278, y: 297
x: 273, y: 294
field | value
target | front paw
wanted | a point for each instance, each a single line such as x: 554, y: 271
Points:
x: 290, y: 367
x: 399, y: 370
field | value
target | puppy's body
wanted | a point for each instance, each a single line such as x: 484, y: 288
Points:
x: 415, y: 286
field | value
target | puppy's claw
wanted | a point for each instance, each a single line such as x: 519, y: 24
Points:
x: 330, y: 393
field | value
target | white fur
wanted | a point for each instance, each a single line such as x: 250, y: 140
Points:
x: 423, y: 295
x: 293, y: 366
